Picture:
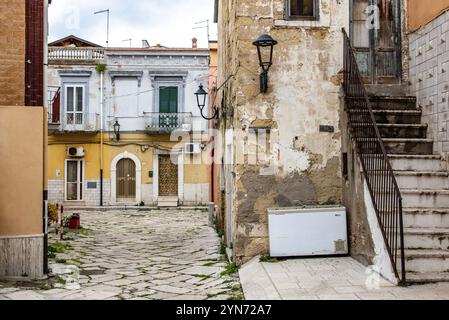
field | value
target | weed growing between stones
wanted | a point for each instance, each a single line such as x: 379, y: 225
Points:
x: 230, y: 269
x: 59, y: 247
x: 268, y: 259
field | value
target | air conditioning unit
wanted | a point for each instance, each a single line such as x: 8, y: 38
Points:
x: 193, y: 148
x: 75, y: 152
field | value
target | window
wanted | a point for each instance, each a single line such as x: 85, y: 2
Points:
x: 74, y: 180
x: 303, y: 9
x: 360, y: 33
x: 168, y: 107
x: 168, y: 100
x: 74, y: 105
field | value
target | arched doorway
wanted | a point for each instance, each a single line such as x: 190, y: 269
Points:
x: 126, y: 181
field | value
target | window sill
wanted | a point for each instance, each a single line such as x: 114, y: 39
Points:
x: 311, y: 24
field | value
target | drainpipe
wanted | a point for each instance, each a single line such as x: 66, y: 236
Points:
x: 101, y: 133
x: 45, y: 138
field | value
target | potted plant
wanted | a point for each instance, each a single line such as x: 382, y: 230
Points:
x: 53, y: 213
x: 74, y: 221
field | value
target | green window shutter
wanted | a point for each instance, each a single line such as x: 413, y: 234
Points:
x: 174, y: 100
x: 163, y: 100
x: 168, y: 100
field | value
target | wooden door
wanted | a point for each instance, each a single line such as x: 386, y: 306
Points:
x: 376, y: 38
x: 126, y: 180
x: 168, y: 176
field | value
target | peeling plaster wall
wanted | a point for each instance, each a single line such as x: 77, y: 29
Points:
x: 366, y: 241
x: 304, y: 88
x: 360, y: 236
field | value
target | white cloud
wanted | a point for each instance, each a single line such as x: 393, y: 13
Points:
x: 169, y: 23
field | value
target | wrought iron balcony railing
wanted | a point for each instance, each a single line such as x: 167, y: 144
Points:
x: 87, y: 54
x: 168, y: 122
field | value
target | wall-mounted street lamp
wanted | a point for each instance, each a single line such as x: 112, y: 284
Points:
x: 117, y: 130
x: 201, y: 95
x: 265, y: 44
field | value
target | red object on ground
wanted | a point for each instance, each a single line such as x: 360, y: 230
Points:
x: 75, y: 223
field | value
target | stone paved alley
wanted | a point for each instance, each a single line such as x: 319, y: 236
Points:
x: 132, y: 254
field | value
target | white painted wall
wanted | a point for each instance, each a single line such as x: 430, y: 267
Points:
x: 382, y: 262
x: 127, y: 102
x: 132, y: 96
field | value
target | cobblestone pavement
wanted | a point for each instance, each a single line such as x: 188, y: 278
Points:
x: 327, y: 279
x: 126, y: 255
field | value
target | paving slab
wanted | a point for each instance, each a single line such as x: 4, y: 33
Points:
x: 25, y: 295
x: 327, y: 279
x: 127, y: 254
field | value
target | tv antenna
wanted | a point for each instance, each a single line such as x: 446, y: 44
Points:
x: 130, y: 42
x: 107, y: 25
x: 204, y: 25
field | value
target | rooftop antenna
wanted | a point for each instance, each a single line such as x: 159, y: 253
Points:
x: 107, y: 33
x: 202, y: 25
x: 130, y: 42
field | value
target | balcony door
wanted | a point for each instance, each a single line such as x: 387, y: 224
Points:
x: 376, y: 38
x: 74, y: 118
x: 168, y: 107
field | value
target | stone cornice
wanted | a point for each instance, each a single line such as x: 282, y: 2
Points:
x: 126, y: 74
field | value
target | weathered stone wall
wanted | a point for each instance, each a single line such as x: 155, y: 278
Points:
x: 12, y: 54
x: 303, y: 95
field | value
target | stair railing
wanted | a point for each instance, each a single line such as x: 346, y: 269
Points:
x: 377, y: 170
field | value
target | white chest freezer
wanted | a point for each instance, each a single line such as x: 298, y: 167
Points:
x: 309, y: 231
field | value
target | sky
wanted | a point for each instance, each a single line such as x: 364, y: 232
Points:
x: 166, y: 22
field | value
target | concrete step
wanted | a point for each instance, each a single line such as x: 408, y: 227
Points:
x: 409, y: 146
x: 422, y: 180
x: 391, y: 116
x: 393, y: 103
x: 417, y: 163
x: 425, y: 198
x: 398, y: 116
x: 427, y: 261
x: 429, y: 277
x: 426, y: 218
x: 388, y: 90
x: 167, y: 202
x: 412, y: 131
x: 426, y: 238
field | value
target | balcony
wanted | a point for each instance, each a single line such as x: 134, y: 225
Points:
x: 82, y: 55
x: 74, y: 122
x: 166, y: 123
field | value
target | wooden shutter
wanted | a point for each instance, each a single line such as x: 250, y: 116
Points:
x: 168, y: 100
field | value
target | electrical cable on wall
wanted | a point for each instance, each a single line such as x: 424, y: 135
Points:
x: 136, y: 94
x: 142, y: 145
